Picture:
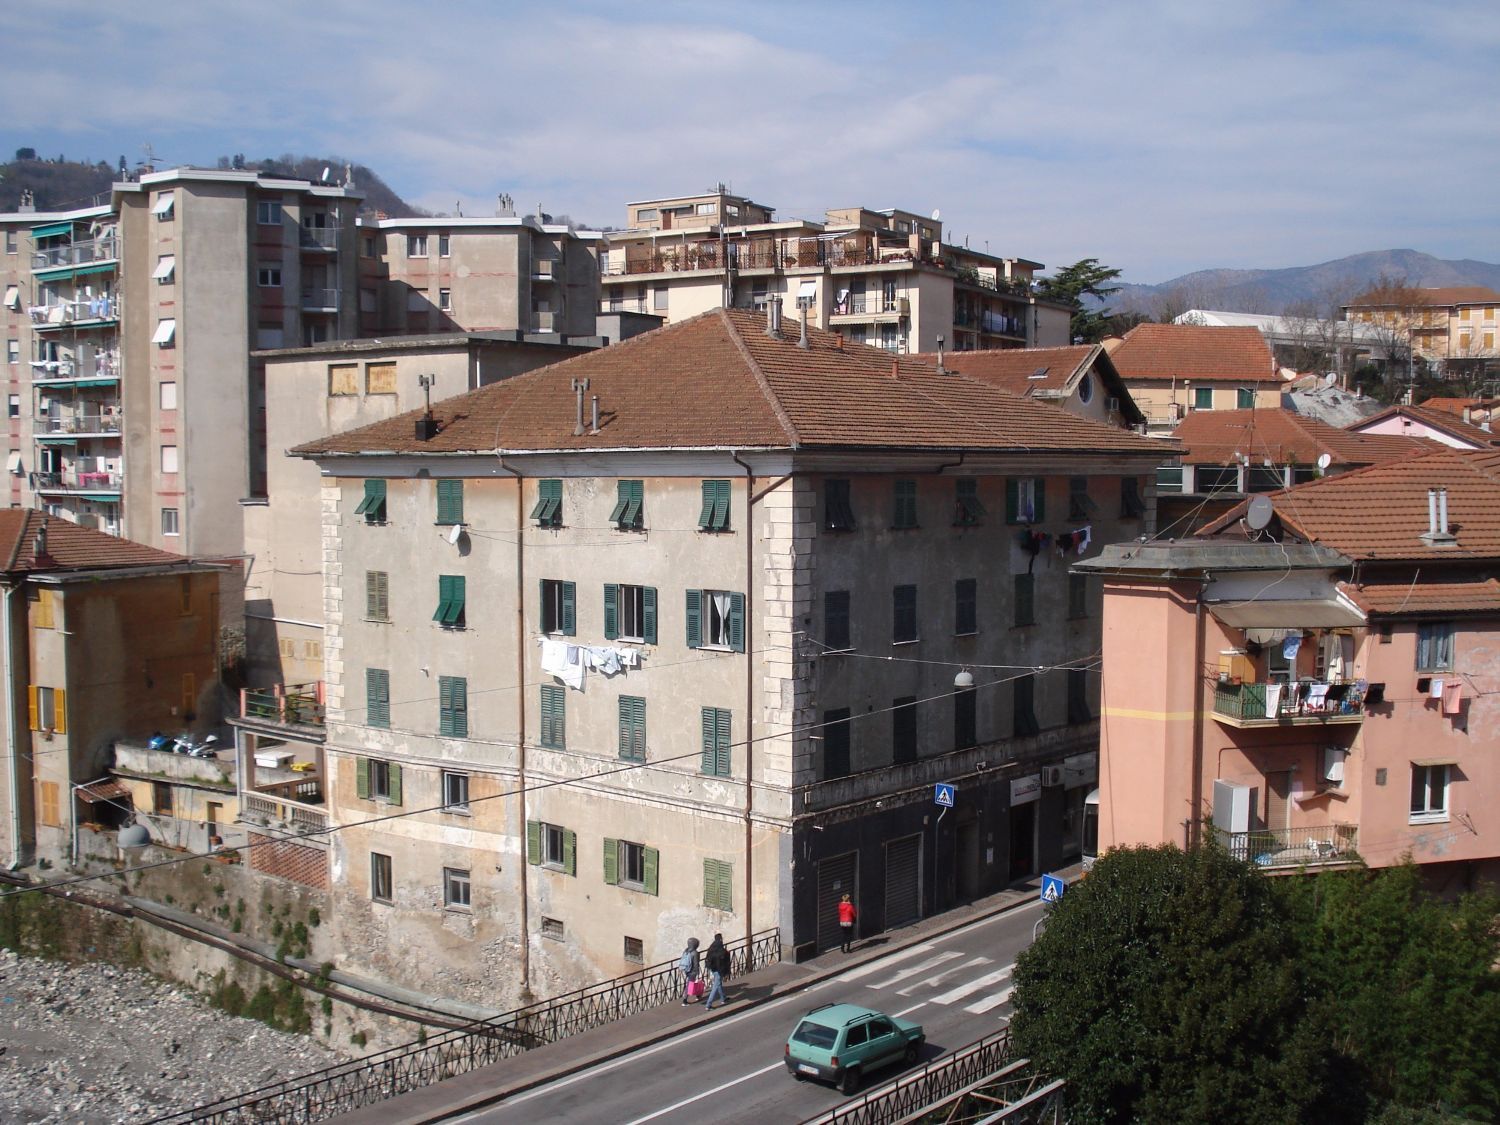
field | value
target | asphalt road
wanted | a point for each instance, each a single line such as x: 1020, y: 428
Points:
x: 956, y: 985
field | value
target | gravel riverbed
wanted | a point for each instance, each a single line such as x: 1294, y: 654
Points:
x: 97, y: 1043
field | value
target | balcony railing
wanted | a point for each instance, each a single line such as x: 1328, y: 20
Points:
x: 298, y: 705
x: 320, y: 238
x: 293, y: 806
x: 872, y: 304
x: 69, y: 481
x: 611, y: 305
x: 1338, y: 701
x: 1294, y: 847
x: 101, y: 365
x: 320, y: 300
x: 1001, y: 325
x: 96, y: 423
x: 76, y: 254
x: 60, y: 313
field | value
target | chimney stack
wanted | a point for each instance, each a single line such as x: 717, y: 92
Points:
x: 802, y: 341
x: 940, y: 341
x: 1437, y: 534
x: 773, y: 317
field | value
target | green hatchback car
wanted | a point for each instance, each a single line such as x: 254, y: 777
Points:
x: 841, y: 1043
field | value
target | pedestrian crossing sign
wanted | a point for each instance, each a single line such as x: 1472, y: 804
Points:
x: 942, y: 794
x: 1052, y: 888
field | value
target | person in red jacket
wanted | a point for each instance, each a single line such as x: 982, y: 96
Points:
x: 847, y: 917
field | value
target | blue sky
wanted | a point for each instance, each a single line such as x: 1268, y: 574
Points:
x: 1158, y: 137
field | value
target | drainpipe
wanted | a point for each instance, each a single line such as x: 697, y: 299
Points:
x: 750, y: 499
x: 1195, y: 829
x: 523, y: 867
x: 7, y: 624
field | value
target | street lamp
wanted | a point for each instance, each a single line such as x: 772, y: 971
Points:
x: 964, y: 680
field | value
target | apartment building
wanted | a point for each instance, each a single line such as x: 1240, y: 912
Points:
x: 1315, y: 674
x: 1433, y: 424
x: 884, y: 278
x: 1172, y: 369
x: 135, y: 406
x: 460, y: 274
x: 1454, y: 327
x: 105, y: 639
x: 612, y: 668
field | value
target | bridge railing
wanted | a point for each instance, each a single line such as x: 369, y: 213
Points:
x: 343, y: 1088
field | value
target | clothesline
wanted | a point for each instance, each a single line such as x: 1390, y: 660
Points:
x: 569, y: 663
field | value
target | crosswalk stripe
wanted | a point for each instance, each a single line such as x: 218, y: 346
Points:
x: 972, y: 986
x: 919, y: 967
x: 883, y: 964
x: 934, y: 981
x: 982, y: 1006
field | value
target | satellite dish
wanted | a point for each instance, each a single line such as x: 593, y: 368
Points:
x: 1259, y: 513
x: 1330, y: 379
x: 936, y: 214
x: 1324, y: 460
x: 134, y: 836
x: 326, y: 173
x: 453, y: 536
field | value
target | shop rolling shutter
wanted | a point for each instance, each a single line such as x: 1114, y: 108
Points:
x: 903, y: 881
x: 835, y: 879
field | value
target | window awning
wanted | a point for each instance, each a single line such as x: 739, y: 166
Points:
x: 163, y: 206
x: 164, y: 268
x: 165, y: 330
x: 808, y: 289
x: 51, y: 230
x: 1302, y: 613
x: 80, y: 271
x: 13, y: 296
x: 107, y: 790
x: 1434, y: 761
x: 13, y: 462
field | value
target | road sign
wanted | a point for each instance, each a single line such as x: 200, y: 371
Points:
x: 942, y: 794
x: 1052, y: 888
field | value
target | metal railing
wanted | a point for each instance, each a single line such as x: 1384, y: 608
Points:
x: 55, y: 314
x: 399, y: 1070
x: 76, y: 254
x: 1294, y: 847
x: 271, y: 807
x: 76, y: 424
x: 320, y: 299
x: 1324, y: 699
x: 77, y: 481
x: 294, y: 705
x: 320, y: 238
x: 102, y: 365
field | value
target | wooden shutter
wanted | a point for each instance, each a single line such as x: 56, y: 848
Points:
x: 377, y: 697
x: 570, y: 851
x: 44, y: 619
x: 611, y: 611
x: 708, y: 758
x: 721, y: 741
x: 612, y: 862
x: 652, y: 866
x: 648, y: 614
x: 534, y: 842
x: 34, y: 706
x: 737, y: 622
x: 450, y: 501
x: 60, y: 705
x: 706, y: 515
x: 710, y: 881
x: 395, y: 776
x: 49, y: 812
x: 569, y: 609
x: 362, y: 778
x: 695, y: 618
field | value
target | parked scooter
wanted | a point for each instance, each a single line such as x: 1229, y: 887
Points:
x: 184, y: 744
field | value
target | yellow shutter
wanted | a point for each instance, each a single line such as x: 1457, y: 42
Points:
x: 59, y: 711
x: 380, y: 379
x: 33, y: 697
x: 343, y: 378
x: 44, y: 610
x: 49, y: 811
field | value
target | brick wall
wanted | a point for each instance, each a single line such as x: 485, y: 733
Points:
x: 286, y: 860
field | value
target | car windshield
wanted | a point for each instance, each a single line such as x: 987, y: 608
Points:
x: 815, y: 1035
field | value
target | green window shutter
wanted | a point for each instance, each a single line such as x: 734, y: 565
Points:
x: 612, y: 862
x: 906, y: 503
x: 648, y: 612
x: 569, y: 609
x: 721, y: 742
x: 456, y: 612
x: 377, y: 697
x: 611, y: 611
x: 570, y: 851
x: 721, y: 506
x: 652, y: 866
x: 737, y: 622
x: 553, y: 714
x: 695, y: 618
x: 632, y: 728
x: 710, y: 881
x: 1012, y: 500
x: 709, y: 757
x: 395, y: 783
x: 534, y: 842
x: 445, y: 597
x: 548, y: 509
x: 626, y: 748
x: 450, y: 501
x: 460, y: 692
x: 372, y: 507
x: 362, y: 778
x: 378, y: 595
x: 706, y: 515
x: 622, y: 501
x: 1039, y: 498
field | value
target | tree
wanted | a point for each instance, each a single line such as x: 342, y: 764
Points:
x: 1070, y: 285
x: 25, y: 154
x: 1395, y: 311
x: 1165, y: 987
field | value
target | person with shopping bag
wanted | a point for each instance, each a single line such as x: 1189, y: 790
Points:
x: 716, y: 961
x: 687, y: 965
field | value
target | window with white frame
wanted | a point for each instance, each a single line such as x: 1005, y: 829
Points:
x: 162, y: 208
x: 416, y: 246
x: 707, y: 208
x: 444, y: 246
x: 169, y: 459
x: 445, y: 300
x: 12, y: 351
x: 1429, y: 792
x: 14, y: 407
x: 456, y: 888
x: 455, y: 791
x: 167, y: 395
x: 1435, y: 646
x: 169, y: 521
x: 166, y: 332
x: 268, y: 277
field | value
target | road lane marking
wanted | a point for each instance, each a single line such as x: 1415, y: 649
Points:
x: 706, y: 1094
x: 934, y: 981
x: 919, y: 967
x: 908, y: 1011
x: 881, y: 964
x: 972, y: 986
x: 980, y: 1007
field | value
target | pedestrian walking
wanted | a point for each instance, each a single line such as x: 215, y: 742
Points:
x: 716, y: 961
x: 687, y: 964
x: 847, y: 917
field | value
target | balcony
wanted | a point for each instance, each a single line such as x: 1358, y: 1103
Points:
x: 97, y: 251
x: 615, y: 305
x: 1295, y: 847
x: 871, y: 306
x: 296, y: 705
x: 293, y: 807
x: 92, y: 367
x: 105, y: 423
x: 319, y: 238
x: 998, y: 324
x: 72, y: 481
x: 545, y: 321
x: 547, y: 269
x: 1301, y: 703
x: 320, y: 300
x: 80, y: 313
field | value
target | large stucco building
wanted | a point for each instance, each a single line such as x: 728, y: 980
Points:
x: 1173, y: 369
x: 781, y: 559
x: 1455, y: 328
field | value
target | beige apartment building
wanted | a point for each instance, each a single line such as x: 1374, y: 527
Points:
x: 613, y: 676
x: 1455, y: 328
x: 1173, y: 369
x: 884, y: 278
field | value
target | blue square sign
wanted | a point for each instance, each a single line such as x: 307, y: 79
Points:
x: 942, y: 794
x: 1053, y: 888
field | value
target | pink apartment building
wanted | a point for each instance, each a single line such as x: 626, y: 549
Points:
x: 1315, y: 678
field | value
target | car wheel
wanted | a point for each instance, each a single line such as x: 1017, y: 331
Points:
x: 912, y: 1051
x: 849, y: 1081
x: 799, y: 1076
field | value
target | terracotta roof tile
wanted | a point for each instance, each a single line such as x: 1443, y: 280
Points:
x: 1012, y: 369
x: 69, y: 547
x: 1195, y: 351
x: 1426, y: 597
x: 1218, y: 437
x: 1439, y: 420
x: 1436, y: 295
x: 718, y: 381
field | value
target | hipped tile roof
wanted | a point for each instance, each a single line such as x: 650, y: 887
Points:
x: 1439, y: 420
x: 69, y: 547
x: 718, y: 381
x: 1380, y: 512
x: 1220, y: 437
x: 1426, y: 597
x: 1012, y: 369
x: 1435, y: 295
x: 1199, y: 352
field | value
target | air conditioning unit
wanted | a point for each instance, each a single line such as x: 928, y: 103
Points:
x: 1052, y: 775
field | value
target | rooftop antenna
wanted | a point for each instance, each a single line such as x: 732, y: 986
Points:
x: 426, y: 427
x: 579, y: 386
